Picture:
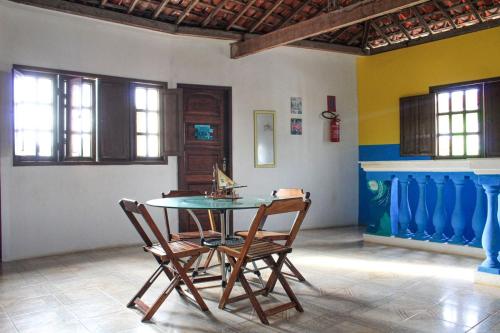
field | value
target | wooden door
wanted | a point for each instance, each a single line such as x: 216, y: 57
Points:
x: 207, y: 140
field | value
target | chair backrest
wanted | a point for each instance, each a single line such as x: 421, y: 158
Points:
x: 290, y: 205
x: 290, y: 193
x: 133, y: 209
x: 183, y: 193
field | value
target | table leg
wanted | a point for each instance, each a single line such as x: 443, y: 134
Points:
x: 223, y: 242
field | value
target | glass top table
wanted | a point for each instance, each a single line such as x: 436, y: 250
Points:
x: 201, y: 202
x: 219, y: 205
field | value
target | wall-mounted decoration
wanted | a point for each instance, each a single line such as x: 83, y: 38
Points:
x: 296, y: 126
x: 331, y: 103
x: 296, y: 105
x: 264, y: 139
x: 203, y: 132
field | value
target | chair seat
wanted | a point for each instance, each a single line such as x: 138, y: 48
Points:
x: 258, y: 250
x: 195, y: 235
x: 267, y: 235
x: 180, y: 249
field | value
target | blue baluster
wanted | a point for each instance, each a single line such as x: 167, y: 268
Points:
x: 421, y: 214
x: 479, y: 217
x: 491, y: 232
x: 458, y: 215
x: 404, y: 209
x: 440, y: 215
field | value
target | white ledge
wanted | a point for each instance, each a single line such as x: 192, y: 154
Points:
x: 479, y: 166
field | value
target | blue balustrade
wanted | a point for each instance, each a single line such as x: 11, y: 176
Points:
x: 491, y: 232
x: 404, y: 209
x: 440, y: 216
x: 472, y: 222
x: 458, y: 216
x: 421, y: 214
x: 479, y: 217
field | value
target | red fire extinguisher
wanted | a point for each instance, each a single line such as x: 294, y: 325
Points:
x: 334, y: 118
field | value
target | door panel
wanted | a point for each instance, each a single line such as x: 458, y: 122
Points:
x: 206, y: 109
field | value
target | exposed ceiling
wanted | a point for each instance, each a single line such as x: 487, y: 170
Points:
x: 427, y: 21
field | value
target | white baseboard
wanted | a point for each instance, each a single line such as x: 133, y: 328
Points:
x: 487, y: 279
x: 460, y: 250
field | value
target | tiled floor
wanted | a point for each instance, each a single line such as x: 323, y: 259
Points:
x: 351, y: 288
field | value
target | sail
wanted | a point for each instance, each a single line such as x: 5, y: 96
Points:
x: 223, y: 180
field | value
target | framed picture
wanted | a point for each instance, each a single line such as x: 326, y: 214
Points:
x: 296, y: 126
x: 296, y: 105
x: 331, y: 103
x: 264, y: 139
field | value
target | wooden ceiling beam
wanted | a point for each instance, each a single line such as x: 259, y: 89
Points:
x: 295, y: 12
x: 320, y: 24
x: 474, y: 10
x: 422, y: 21
x: 240, y: 14
x: 401, y: 27
x: 443, y: 35
x: 186, y: 12
x: 164, y: 27
x: 132, y: 6
x: 266, y: 15
x: 160, y: 8
x: 381, y: 33
x: 366, y: 34
x: 213, y: 13
x: 445, y: 13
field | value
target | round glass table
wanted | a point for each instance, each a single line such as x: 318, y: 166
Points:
x: 222, y: 206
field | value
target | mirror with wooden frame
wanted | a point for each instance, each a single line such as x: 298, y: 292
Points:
x: 264, y: 139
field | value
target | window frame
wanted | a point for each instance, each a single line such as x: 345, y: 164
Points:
x: 161, y: 118
x: 65, y: 121
x: 480, y: 111
x: 35, y: 159
x: 60, y: 156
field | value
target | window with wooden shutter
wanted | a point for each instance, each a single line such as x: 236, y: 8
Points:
x: 115, y: 140
x: 492, y: 118
x: 173, y: 122
x: 417, y: 125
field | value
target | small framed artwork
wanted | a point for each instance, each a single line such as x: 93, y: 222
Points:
x: 296, y: 126
x: 331, y: 103
x: 203, y: 132
x: 296, y: 105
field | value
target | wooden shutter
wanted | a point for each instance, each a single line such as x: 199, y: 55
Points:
x: 115, y: 140
x: 492, y: 119
x: 173, y: 114
x: 417, y: 125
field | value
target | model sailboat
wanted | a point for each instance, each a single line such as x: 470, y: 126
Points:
x: 223, y: 187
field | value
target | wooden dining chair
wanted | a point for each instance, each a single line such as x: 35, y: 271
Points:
x: 168, y: 255
x: 287, y: 237
x: 253, y: 250
x: 199, y: 235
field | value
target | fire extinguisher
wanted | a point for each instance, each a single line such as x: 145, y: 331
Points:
x: 334, y: 125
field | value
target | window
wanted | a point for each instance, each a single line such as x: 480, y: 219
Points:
x: 34, y: 116
x: 64, y: 117
x: 147, y: 112
x: 459, y: 122
x: 79, y: 106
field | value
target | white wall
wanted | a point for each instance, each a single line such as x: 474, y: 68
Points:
x: 55, y: 209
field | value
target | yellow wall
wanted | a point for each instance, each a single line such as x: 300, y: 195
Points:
x: 384, y: 78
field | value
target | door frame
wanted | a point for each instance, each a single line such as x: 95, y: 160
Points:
x: 228, y: 124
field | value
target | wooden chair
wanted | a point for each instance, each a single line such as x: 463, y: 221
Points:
x: 288, y: 237
x: 168, y: 255
x: 192, y: 235
x: 256, y: 249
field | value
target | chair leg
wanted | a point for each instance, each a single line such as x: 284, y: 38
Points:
x: 156, y: 305
x: 276, y: 267
x: 232, y: 279
x: 146, y: 286
x: 208, y: 260
x: 294, y: 270
x: 189, y: 284
x: 252, y: 298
